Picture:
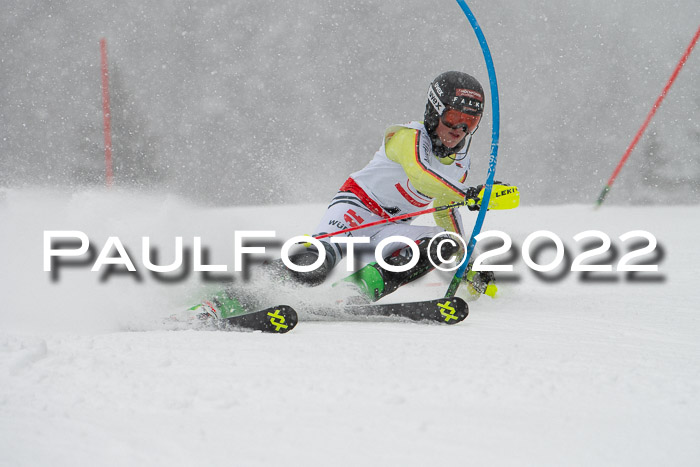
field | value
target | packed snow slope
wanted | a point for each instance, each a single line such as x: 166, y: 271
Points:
x: 554, y: 371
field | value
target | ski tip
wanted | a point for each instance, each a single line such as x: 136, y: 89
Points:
x: 448, y: 310
x: 275, y: 320
x: 451, y: 310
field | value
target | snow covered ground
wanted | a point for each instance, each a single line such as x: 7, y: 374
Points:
x: 559, y: 372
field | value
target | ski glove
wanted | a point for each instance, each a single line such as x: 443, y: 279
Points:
x: 473, y: 193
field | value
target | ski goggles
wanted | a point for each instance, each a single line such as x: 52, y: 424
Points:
x: 453, y: 118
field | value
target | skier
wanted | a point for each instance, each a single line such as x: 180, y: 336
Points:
x: 417, y: 163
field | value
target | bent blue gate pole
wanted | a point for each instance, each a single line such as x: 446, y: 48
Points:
x: 457, y: 279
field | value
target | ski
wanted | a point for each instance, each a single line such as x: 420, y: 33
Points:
x: 450, y: 310
x: 277, y: 320
x: 226, y: 311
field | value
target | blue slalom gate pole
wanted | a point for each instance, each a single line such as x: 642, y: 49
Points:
x: 457, y: 279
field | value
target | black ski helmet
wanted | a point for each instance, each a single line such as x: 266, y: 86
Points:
x: 459, y: 91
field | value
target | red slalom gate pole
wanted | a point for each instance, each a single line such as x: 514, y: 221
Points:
x: 106, y: 117
x: 656, y: 105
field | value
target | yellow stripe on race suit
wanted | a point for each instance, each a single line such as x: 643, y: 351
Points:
x: 402, y: 148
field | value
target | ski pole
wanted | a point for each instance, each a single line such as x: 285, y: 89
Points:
x: 656, y: 105
x: 508, y: 197
x: 466, y: 202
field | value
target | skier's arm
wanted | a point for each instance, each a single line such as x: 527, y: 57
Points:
x: 449, y: 219
x: 403, y: 147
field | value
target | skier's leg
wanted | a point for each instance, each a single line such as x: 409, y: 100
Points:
x: 344, y: 211
x: 476, y: 283
x: 434, y: 247
x: 306, y: 257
